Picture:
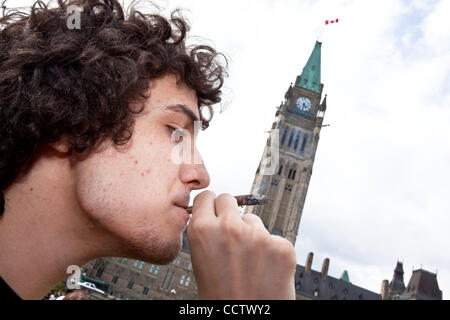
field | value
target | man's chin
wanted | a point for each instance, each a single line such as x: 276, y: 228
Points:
x: 157, y: 251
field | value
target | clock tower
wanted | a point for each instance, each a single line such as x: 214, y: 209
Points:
x: 293, y: 141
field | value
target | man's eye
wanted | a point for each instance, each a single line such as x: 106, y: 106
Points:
x: 176, y: 134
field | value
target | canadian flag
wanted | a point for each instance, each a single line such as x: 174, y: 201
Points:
x: 331, y: 21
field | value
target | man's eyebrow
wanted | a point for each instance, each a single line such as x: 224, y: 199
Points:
x: 182, y: 108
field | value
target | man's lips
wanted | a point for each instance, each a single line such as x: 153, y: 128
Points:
x: 182, y: 202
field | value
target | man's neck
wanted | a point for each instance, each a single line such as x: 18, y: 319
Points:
x: 42, y: 231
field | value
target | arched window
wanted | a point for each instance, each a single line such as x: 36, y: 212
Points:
x: 291, y: 137
x: 280, y: 171
x: 305, y: 140
x: 283, y: 139
x: 297, y: 140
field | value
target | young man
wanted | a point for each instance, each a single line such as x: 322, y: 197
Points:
x: 87, y: 117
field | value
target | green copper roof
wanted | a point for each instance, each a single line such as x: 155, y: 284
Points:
x: 345, y: 276
x: 310, y: 77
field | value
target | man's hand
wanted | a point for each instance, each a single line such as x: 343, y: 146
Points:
x: 237, y: 258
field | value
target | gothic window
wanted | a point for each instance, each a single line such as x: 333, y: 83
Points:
x: 182, y: 280
x: 297, y: 140
x: 146, y: 290
x: 283, y: 139
x: 99, y: 272
x: 290, y: 173
x: 156, y: 270
x: 165, y: 277
x: 280, y: 171
x: 187, y: 281
x: 114, y: 279
x: 291, y: 137
x: 136, y: 263
x: 293, y: 174
x: 151, y: 268
x: 141, y: 265
x: 288, y: 187
x: 305, y: 140
x: 130, y: 284
x: 125, y: 261
x: 97, y: 263
x: 170, y: 280
x: 316, y: 293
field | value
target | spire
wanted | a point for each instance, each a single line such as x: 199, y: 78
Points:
x: 397, y: 284
x: 288, y: 94
x: 345, y: 276
x: 310, y: 77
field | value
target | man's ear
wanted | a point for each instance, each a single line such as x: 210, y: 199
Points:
x: 61, y: 146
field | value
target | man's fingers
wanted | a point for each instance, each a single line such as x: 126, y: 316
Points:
x: 226, y: 207
x: 204, y: 205
x: 254, y: 220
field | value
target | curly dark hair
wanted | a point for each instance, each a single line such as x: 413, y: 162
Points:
x: 56, y: 80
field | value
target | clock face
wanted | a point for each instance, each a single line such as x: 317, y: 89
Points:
x: 304, y: 104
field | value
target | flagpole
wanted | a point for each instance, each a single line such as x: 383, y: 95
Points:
x: 327, y: 22
x: 319, y: 37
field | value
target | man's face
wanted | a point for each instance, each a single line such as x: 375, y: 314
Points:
x: 135, y: 192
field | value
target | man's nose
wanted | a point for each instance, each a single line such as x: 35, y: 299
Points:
x: 195, y: 175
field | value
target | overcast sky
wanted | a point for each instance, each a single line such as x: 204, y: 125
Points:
x: 379, y: 190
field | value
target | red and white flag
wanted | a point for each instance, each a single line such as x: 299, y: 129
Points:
x: 331, y: 21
